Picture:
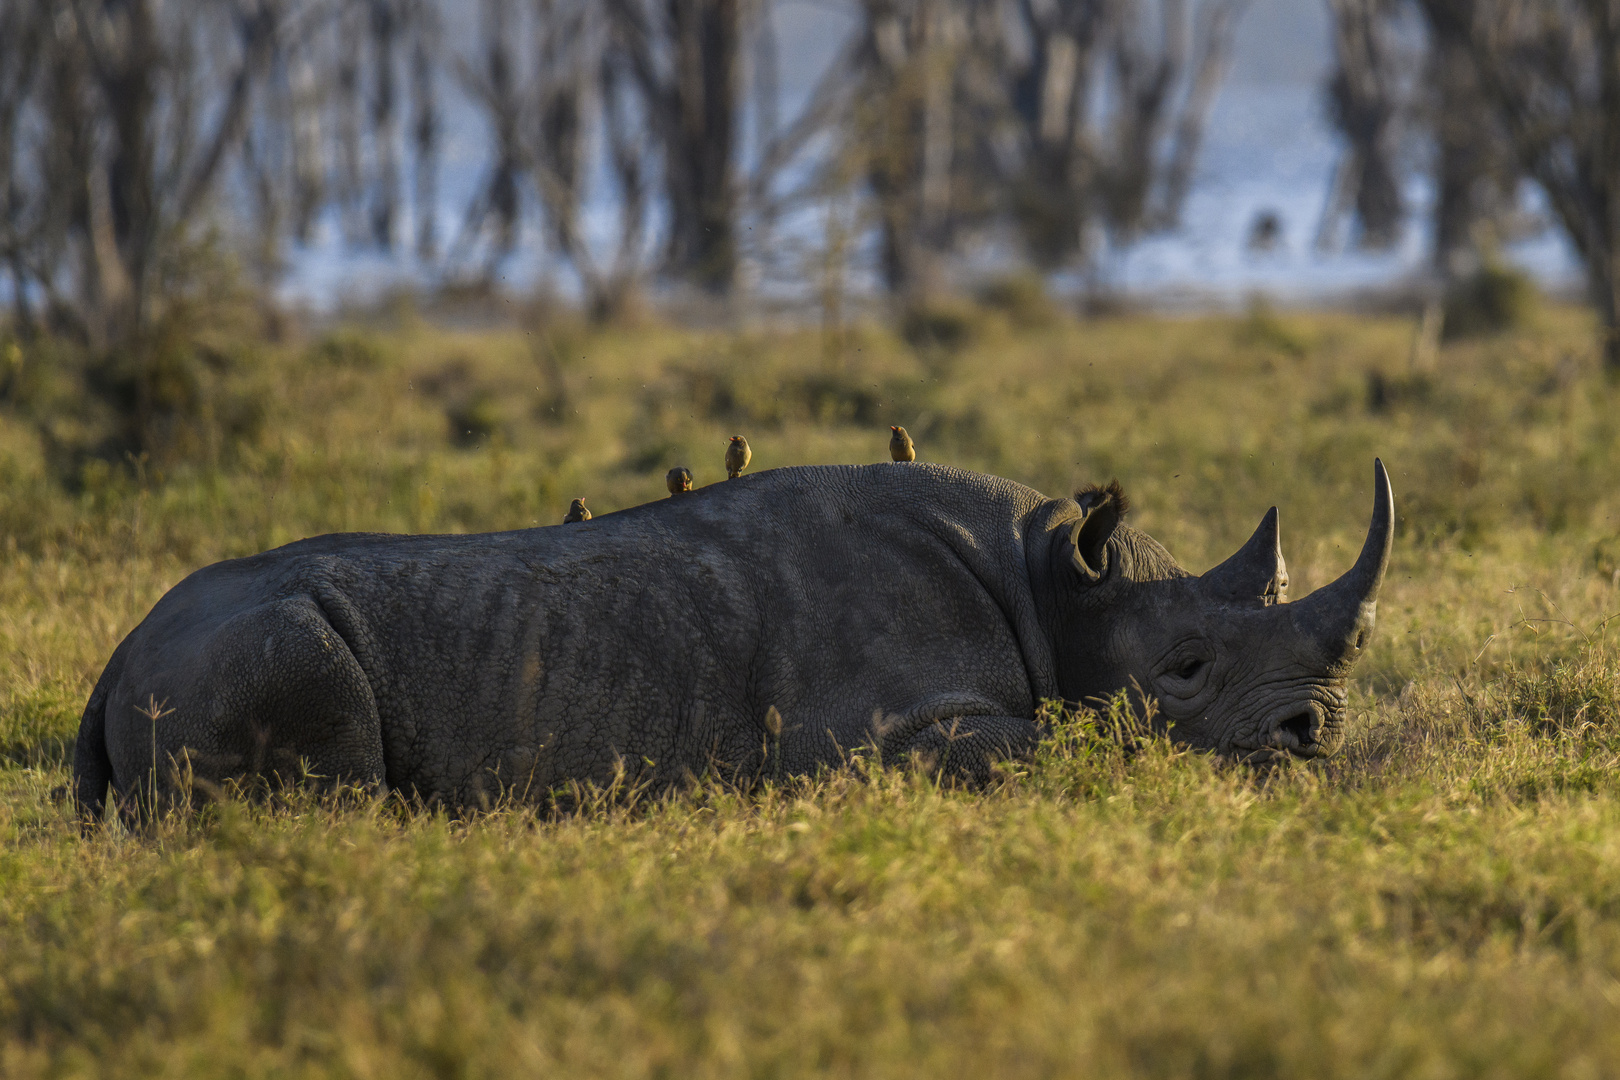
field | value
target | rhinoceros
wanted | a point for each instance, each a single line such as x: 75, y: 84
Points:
x: 767, y: 625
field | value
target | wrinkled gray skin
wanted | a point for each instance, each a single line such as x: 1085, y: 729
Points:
x: 911, y: 607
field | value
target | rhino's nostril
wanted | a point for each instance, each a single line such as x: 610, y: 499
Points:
x: 1299, y: 727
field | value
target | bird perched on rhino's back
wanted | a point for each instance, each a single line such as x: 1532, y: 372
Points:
x: 678, y: 479
x: 576, y: 512
x: 737, y: 457
x: 901, y: 448
x: 756, y: 629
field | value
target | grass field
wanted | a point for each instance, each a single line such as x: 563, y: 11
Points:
x: 1440, y: 900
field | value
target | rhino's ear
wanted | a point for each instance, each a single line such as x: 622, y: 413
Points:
x: 1256, y: 572
x: 1103, y: 507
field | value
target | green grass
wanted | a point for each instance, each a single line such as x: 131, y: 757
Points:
x: 1443, y: 899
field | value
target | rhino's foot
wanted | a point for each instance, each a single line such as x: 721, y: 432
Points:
x: 967, y: 748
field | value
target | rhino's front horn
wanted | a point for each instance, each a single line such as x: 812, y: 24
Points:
x: 1339, y: 617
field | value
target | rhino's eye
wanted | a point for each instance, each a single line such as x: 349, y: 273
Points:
x: 1189, y: 668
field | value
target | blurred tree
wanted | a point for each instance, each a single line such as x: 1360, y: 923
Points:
x: 120, y: 121
x: 1476, y: 175
x: 1110, y: 102
x: 585, y: 71
x: 565, y: 75
x: 1408, y: 67
x: 571, y: 95
x: 1511, y: 89
x: 386, y: 18
x: 686, y: 57
x: 494, y: 85
x: 1368, y: 93
x: 1551, y: 71
x: 1052, y: 117
x: 345, y: 71
x: 907, y: 118
x: 128, y: 72
x: 23, y: 28
x: 307, y: 158
x: 425, y: 47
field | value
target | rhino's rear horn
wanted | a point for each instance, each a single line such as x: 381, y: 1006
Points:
x: 1340, y: 617
x: 1256, y: 572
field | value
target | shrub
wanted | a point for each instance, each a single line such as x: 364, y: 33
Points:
x: 1606, y: 558
x: 1022, y: 298
x: 1386, y: 392
x: 473, y: 419
x: 347, y: 349
x: 940, y: 325
x: 1494, y: 299
x: 1262, y: 329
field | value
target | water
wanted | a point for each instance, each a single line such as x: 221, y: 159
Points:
x: 1269, y: 148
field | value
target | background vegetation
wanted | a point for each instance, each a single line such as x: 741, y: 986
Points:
x: 651, y: 145
x: 1440, y: 900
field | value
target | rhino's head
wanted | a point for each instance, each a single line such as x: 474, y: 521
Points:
x: 1234, y: 666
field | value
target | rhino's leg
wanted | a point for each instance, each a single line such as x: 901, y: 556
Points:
x: 968, y: 747
x: 277, y: 695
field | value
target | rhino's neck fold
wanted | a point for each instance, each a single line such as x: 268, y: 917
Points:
x: 1047, y: 558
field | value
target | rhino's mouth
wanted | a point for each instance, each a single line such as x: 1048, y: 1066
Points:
x: 1267, y: 754
x: 1295, y: 732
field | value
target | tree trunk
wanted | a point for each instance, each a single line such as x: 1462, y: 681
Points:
x: 309, y: 156
x: 1608, y: 305
x: 1363, y: 97
x: 127, y: 86
x: 384, y: 137
x: 425, y: 136
x: 1606, y: 186
x: 707, y: 37
x: 348, y: 126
